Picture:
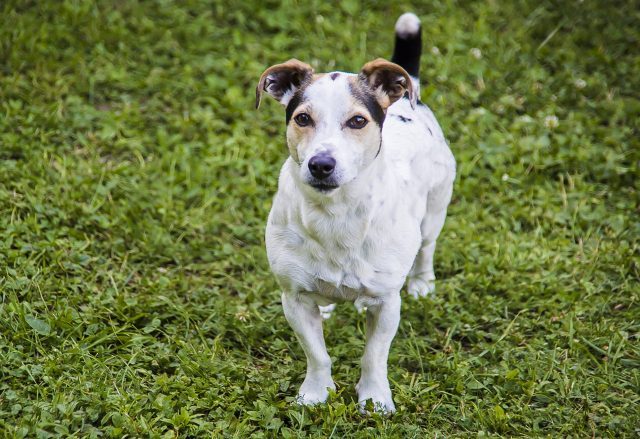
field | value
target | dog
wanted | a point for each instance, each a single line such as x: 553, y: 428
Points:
x: 361, y: 200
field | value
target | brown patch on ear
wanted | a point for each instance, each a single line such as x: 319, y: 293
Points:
x: 280, y: 78
x: 388, y: 80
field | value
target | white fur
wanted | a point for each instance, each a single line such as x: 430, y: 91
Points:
x: 286, y: 97
x: 408, y: 24
x: 360, y: 242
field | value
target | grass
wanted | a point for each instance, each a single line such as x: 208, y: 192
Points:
x: 135, y: 181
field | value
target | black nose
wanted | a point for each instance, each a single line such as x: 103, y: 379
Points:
x: 322, y: 166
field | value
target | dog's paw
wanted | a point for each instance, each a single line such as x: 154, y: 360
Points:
x: 377, y: 397
x: 314, y: 391
x: 325, y: 311
x: 420, y: 287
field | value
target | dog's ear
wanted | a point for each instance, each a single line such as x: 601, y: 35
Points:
x: 282, y: 80
x: 389, y: 81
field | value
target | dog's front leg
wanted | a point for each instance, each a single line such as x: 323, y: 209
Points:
x: 304, y: 317
x: 382, y: 324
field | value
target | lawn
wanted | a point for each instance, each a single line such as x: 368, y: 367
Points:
x: 136, y: 178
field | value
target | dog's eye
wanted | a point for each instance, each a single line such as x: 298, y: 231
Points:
x: 357, y: 122
x: 302, y: 119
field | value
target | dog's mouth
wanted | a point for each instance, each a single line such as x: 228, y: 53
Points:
x: 324, y: 187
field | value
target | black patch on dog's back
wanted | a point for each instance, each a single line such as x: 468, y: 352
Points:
x: 403, y: 119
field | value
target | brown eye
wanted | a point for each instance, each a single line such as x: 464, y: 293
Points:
x: 357, y: 122
x: 302, y: 119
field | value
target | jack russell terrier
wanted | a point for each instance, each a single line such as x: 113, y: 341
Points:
x: 360, y: 203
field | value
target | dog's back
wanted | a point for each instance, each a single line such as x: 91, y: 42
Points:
x: 411, y: 135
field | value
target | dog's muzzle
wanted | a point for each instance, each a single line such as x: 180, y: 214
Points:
x: 321, y: 167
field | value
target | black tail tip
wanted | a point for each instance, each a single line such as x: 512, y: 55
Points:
x: 408, y: 26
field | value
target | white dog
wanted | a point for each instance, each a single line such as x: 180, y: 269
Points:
x: 360, y: 203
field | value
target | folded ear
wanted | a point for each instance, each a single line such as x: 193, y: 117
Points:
x: 282, y: 80
x: 389, y: 81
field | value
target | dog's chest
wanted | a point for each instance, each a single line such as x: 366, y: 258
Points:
x: 339, y: 249
x: 346, y: 253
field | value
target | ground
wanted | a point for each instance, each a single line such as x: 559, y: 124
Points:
x: 136, y: 178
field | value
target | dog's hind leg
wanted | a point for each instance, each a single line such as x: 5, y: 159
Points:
x: 304, y: 317
x: 421, y: 280
x: 422, y: 277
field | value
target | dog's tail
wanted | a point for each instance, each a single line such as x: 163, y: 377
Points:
x: 408, y: 48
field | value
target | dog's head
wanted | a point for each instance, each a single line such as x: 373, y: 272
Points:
x: 334, y: 120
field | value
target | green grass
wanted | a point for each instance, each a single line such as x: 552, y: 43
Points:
x: 136, y: 177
